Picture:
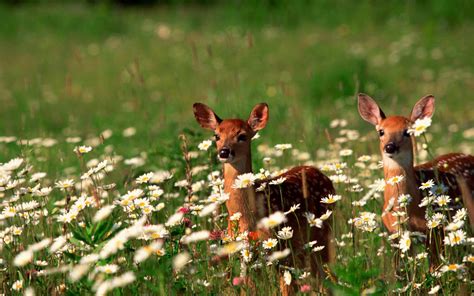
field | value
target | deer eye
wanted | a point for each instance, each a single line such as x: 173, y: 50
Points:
x: 381, y: 132
x: 216, y: 137
x: 405, y: 133
x: 242, y: 138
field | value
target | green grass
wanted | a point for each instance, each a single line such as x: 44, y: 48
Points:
x: 74, y: 70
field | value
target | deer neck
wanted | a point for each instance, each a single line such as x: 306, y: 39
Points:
x: 240, y: 199
x: 409, y: 185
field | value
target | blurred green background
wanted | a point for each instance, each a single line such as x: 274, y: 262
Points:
x: 76, y: 68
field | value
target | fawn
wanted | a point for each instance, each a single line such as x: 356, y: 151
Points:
x: 454, y: 170
x: 303, y: 185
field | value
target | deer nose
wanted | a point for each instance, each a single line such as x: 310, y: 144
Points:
x: 224, y: 153
x: 391, y: 148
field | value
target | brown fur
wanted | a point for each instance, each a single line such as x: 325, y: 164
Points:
x: 304, y: 185
x: 455, y: 170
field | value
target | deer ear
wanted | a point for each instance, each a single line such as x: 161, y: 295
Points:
x: 369, y: 110
x: 423, y: 108
x: 258, y: 117
x: 205, y: 116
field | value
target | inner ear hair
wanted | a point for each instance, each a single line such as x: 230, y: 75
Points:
x: 258, y: 117
x: 369, y: 110
x: 205, y: 116
x: 423, y: 108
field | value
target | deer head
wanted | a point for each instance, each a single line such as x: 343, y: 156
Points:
x: 395, y: 141
x: 232, y: 136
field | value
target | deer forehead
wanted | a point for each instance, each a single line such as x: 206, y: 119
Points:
x: 394, y: 124
x: 232, y: 127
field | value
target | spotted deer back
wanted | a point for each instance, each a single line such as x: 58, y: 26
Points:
x: 304, y: 185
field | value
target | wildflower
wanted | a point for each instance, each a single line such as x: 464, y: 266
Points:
x: 278, y: 181
x: 338, y: 178
x: 156, y: 231
x: 103, y: 213
x: 230, y: 248
x: 292, y: 209
x: 405, y: 242
x: 156, y: 194
x: 427, y: 185
x: 365, y: 222
x: 23, y: 258
x: 422, y: 256
x: 337, y: 166
x: 29, y: 292
x: 420, y: 126
x: 58, y: 243
x: 345, y: 152
x: 283, y: 147
x: 455, y: 238
x: 207, y: 210
x: 145, y: 178
x: 9, y: 212
x: 237, y: 281
x: 12, y: 165
x: 433, y: 223
x: 18, y: 285
x: 129, y: 132
x: 37, y: 176
x: 434, y: 290
x: 439, y: 189
x: 44, y: 243
x: 16, y: 230
x: 246, y: 254
x: 468, y: 258
x: 204, y: 145
x: 364, y: 158
x: 82, y: 149
x: 90, y: 258
x: 160, y: 177
x: 461, y: 214
x: 119, y: 281
x: 287, y: 277
x: 305, y: 288
x: 313, y: 221
x: 451, y: 267
x: 330, y: 199
x: 326, y: 215
x: 285, y: 233
x: 174, y: 219
x: 273, y: 220
x: 269, y: 243
x: 318, y: 248
x: 395, y: 179
x: 404, y: 200
x: 426, y: 201
x: 453, y: 226
x: 65, y: 184
x: 144, y: 252
x: 41, y: 263
x: 195, y: 236
x: 236, y: 216
x: 78, y: 271
x: 277, y: 255
x: 378, y: 185
x: 443, y: 200
x: 244, y: 181
x: 304, y: 275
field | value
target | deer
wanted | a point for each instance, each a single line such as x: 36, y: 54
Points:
x: 397, y: 145
x: 304, y: 185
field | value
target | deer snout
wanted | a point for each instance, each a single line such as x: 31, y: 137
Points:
x: 225, y: 153
x: 391, y: 148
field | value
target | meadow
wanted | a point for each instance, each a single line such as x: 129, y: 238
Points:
x: 107, y: 180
